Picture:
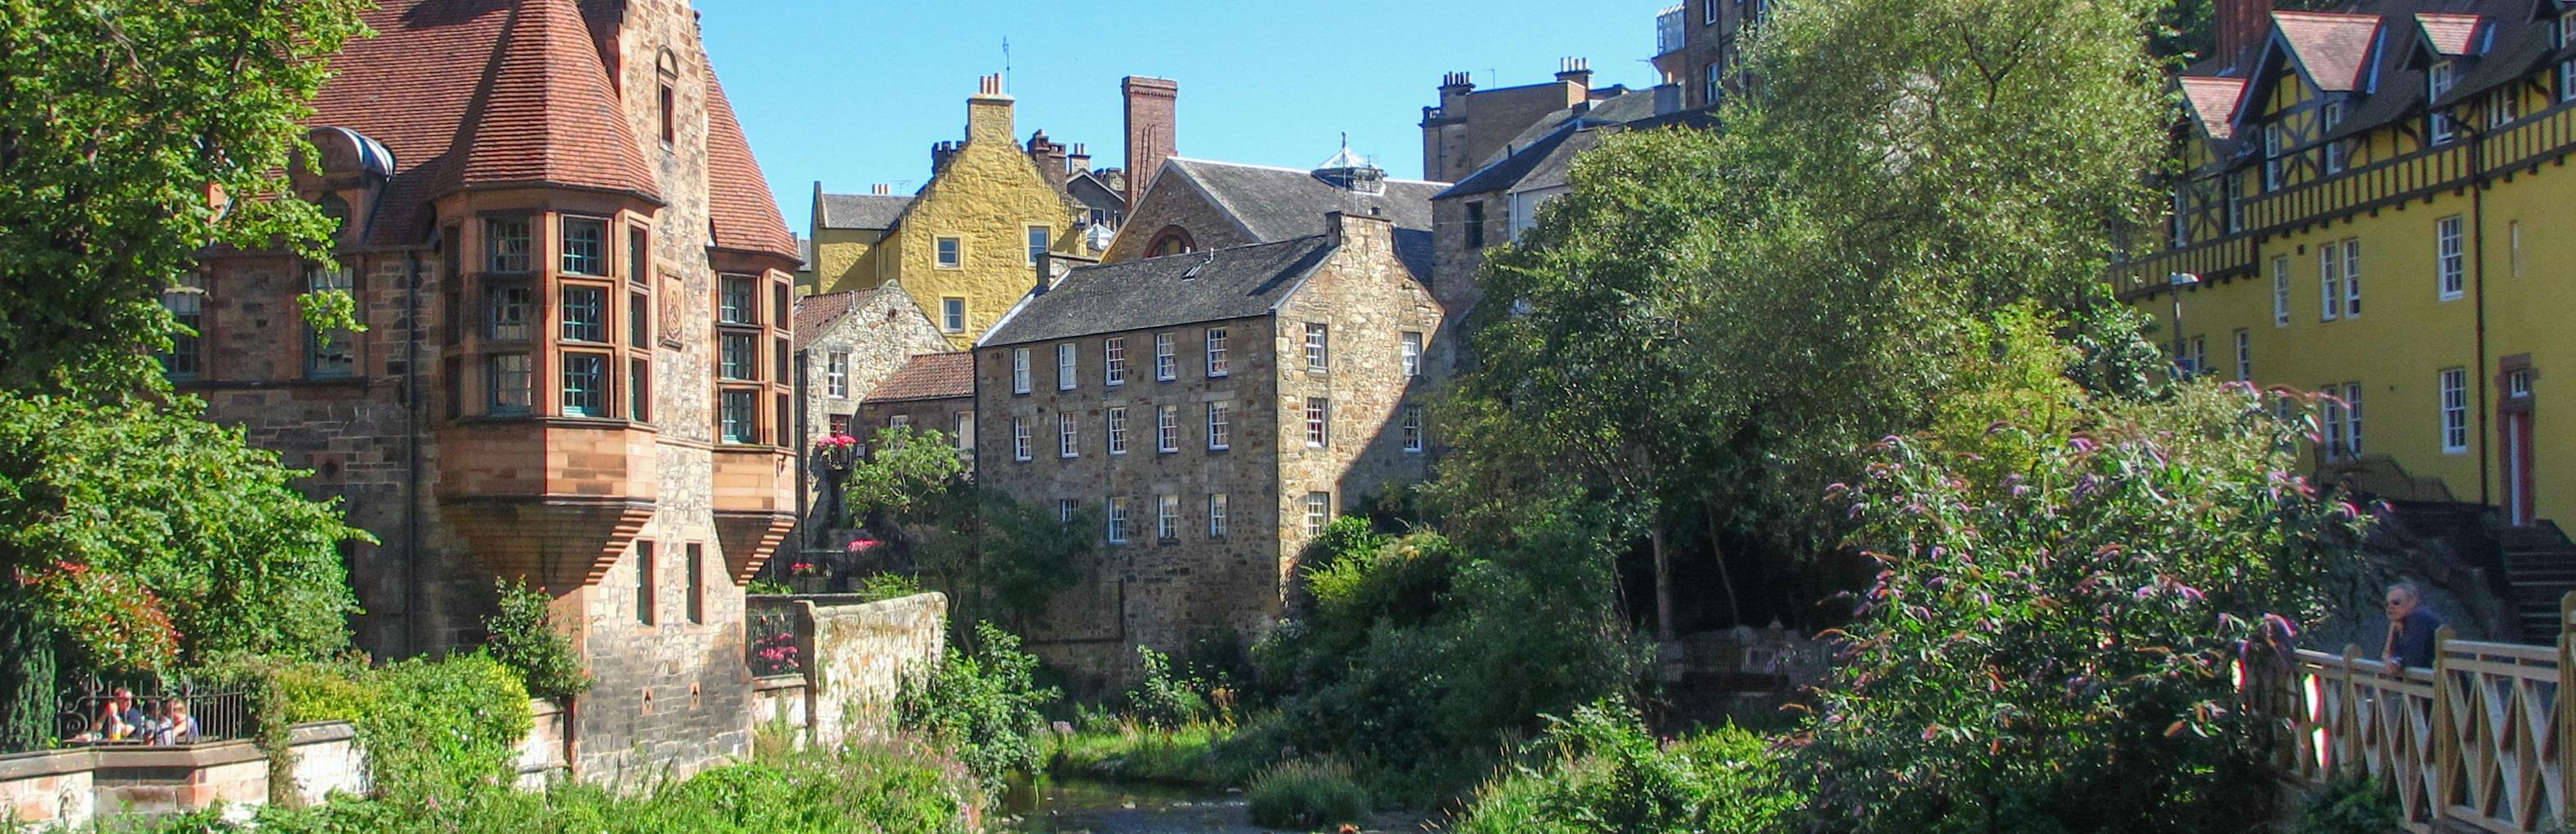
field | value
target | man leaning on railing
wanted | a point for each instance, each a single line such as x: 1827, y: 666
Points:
x: 2410, y: 628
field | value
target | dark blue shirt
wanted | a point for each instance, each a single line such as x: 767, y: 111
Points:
x: 2414, y: 643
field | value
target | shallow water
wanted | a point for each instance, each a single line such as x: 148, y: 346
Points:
x: 1086, y: 807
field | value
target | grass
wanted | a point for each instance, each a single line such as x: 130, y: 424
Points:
x: 1198, y: 754
x: 1306, y: 794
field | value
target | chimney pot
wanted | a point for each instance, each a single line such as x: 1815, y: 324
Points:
x: 881, y: 189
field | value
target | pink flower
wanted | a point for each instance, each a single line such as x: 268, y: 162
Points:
x: 857, y: 545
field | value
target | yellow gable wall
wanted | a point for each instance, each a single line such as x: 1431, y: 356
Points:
x: 844, y: 259
x: 988, y: 196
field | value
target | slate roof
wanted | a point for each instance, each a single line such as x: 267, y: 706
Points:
x: 821, y: 310
x: 1509, y: 171
x: 2373, y: 53
x: 861, y: 211
x: 2213, y: 102
x: 2449, y: 34
x: 2331, y: 46
x: 929, y: 376
x: 1275, y: 204
x: 1216, y: 285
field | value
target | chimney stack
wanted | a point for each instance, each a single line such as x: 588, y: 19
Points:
x: 1575, y: 70
x: 988, y: 112
x: 1151, y: 115
x: 881, y: 189
x: 1049, y: 155
x: 1077, y: 162
x: 2242, y: 26
x: 940, y: 153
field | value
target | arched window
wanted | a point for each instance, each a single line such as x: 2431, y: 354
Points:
x: 667, y: 68
x: 1172, y: 240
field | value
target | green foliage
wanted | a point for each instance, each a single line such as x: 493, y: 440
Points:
x: 2350, y: 804
x: 768, y: 586
x: 878, y: 587
x: 27, y: 666
x: 897, y: 787
x: 122, y: 117
x: 332, y: 691
x: 1202, y: 753
x: 524, y: 638
x: 442, y: 730
x: 2051, y: 647
x: 148, y: 538
x: 1000, y: 559
x: 1306, y: 794
x: 1163, y: 701
x: 983, y: 706
x: 1600, y: 770
x: 905, y: 469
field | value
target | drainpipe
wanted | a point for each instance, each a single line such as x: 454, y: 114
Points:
x: 2478, y: 284
x: 413, y: 629
x: 804, y: 430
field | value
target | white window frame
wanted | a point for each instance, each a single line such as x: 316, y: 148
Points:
x: 1167, y: 362
x: 1040, y: 239
x: 1167, y: 429
x: 1067, y: 436
x: 2276, y: 140
x: 1216, y: 515
x: 1216, y: 364
x: 1319, y: 347
x: 948, y: 252
x: 2351, y: 278
x: 2450, y: 258
x: 1319, y: 422
x: 1167, y: 518
x: 2454, y: 402
x: 1113, y: 360
x: 2199, y: 356
x: 2503, y: 107
x: 965, y: 434
x: 1020, y: 439
x: 1117, y: 520
x: 836, y: 374
x: 1065, y: 508
x: 2329, y: 282
x: 2334, y: 149
x: 952, y: 314
x: 1412, y: 428
x: 1220, y: 425
x: 1068, y: 366
x: 2244, y: 355
x: 2280, y: 291
x: 1116, y: 419
x: 1319, y: 513
x: 2330, y: 420
x: 1411, y: 341
x: 2438, y: 79
x: 1019, y: 370
x: 2352, y: 421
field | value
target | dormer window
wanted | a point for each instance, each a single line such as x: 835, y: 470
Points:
x: 2275, y: 140
x: 2438, y: 81
x: 2334, y: 149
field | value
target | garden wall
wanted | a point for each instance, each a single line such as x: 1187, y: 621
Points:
x: 852, y: 657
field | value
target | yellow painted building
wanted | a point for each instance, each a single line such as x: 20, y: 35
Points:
x: 966, y: 246
x: 2377, y: 205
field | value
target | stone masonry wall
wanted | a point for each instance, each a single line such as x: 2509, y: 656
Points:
x: 1174, y: 203
x: 880, y: 335
x: 1366, y: 300
x: 1148, y: 590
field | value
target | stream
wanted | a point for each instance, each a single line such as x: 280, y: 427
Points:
x: 1076, y: 806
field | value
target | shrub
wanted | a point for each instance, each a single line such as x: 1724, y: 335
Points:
x: 985, y: 705
x: 1163, y: 701
x: 2351, y: 804
x: 878, y: 587
x: 444, y: 729
x: 340, y: 691
x: 1599, y: 770
x: 1306, y: 794
x: 525, y: 639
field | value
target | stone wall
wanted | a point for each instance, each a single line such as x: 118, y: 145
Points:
x: 854, y: 655
x: 1367, y: 301
x: 1175, y: 204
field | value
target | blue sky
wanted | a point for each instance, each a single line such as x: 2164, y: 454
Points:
x: 853, y: 93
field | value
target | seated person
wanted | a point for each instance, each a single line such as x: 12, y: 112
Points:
x: 177, y: 726
x: 117, y: 718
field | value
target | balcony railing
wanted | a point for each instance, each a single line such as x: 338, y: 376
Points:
x: 2543, y: 137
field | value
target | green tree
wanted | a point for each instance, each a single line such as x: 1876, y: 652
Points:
x: 134, y: 133
x: 2050, y: 647
x: 1001, y: 559
x: 905, y: 470
x: 143, y: 537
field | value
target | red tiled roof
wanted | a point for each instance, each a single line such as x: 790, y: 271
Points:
x: 2332, y: 47
x: 2450, y: 34
x: 739, y: 206
x: 2213, y: 101
x: 929, y: 376
x: 480, y: 92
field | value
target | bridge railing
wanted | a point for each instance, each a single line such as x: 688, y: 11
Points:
x: 2477, y: 742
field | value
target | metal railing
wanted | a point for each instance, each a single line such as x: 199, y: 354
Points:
x: 773, y: 642
x: 149, y: 710
x: 2477, y: 742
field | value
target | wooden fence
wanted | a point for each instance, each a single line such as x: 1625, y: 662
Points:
x: 2475, y: 743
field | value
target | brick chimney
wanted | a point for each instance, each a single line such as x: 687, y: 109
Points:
x: 1151, y: 107
x: 2242, y: 26
x: 1077, y: 162
x: 1577, y: 71
x: 1049, y: 155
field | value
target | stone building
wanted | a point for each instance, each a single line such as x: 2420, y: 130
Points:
x: 575, y: 292
x: 933, y: 392
x: 1197, y: 205
x: 1470, y: 127
x: 1212, y: 410
x: 1699, y: 47
x: 847, y: 343
x: 968, y: 244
